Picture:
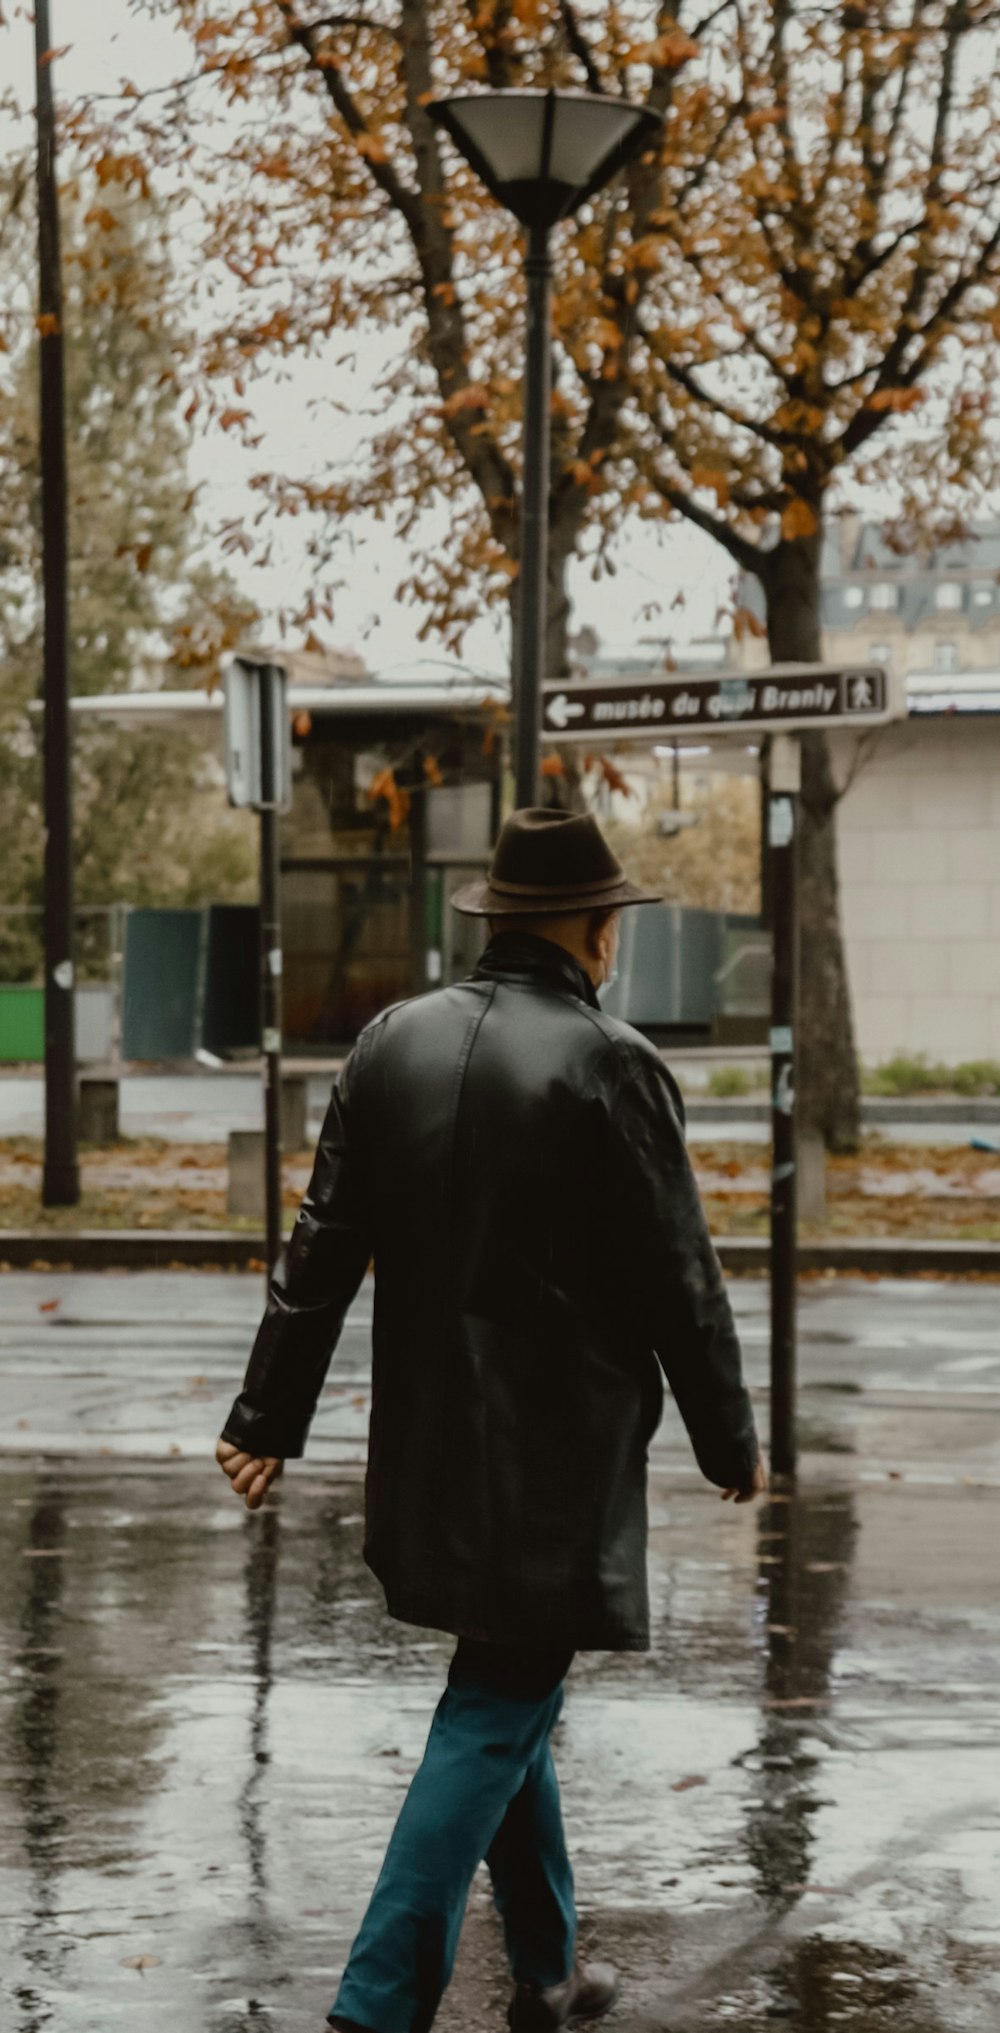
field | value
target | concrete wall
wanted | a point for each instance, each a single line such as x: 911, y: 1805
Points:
x: 919, y: 840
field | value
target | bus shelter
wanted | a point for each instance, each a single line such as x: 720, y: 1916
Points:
x: 395, y: 802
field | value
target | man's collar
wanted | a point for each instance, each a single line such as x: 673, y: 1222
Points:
x: 519, y: 955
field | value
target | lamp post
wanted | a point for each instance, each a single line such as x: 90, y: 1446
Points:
x: 541, y: 154
x: 60, y: 1171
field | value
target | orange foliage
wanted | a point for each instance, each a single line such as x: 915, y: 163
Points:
x: 724, y: 318
x: 898, y: 399
x: 384, y: 785
x: 798, y: 520
x: 613, y: 777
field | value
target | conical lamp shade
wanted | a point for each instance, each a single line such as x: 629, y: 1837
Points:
x: 543, y: 153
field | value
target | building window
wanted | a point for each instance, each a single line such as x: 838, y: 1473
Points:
x: 854, y: 596
x: 945, y: 656
x: 885, y: 596
x: 878, y: 652
x: 982, y: 596
x: 948, y: 593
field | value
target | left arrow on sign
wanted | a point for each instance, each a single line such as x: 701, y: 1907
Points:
x: 560, y: 710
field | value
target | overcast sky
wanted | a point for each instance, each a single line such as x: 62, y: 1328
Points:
x: 108, y: 43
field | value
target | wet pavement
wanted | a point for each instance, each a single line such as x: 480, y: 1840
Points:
x: 787, y: 1814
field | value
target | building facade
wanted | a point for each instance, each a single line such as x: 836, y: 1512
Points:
x: 919, y: 824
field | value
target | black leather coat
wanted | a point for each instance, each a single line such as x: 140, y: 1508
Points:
x: 513, y: 1160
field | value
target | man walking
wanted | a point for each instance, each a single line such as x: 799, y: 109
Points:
x: 513, y: 1161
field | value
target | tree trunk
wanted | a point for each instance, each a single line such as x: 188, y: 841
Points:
x: 829, y: 1093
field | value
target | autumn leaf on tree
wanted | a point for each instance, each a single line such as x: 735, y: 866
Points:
x: 397, y: 800
x: 898, y: 400
x: 798, y: 520
x: 613, y: 777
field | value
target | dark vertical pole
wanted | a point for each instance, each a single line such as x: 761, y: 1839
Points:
x: 270, y: 956
x: 764, y: 766
x: 60, y: 1172
x: 782, y: 835
x: 532, y: 600
x: 418, y: 878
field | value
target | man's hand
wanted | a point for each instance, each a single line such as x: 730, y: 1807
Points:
x: 758, y: 1485
x: 251, y: 1475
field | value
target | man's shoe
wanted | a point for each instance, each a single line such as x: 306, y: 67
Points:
x: 588, y: 1993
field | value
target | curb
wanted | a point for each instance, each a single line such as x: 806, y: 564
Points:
x: 162, y: 1249
x: 131, y: 1249
x: 875, y: 1110
x: 884, y: 1256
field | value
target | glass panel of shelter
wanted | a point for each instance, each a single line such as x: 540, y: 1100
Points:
x: 362, y: 927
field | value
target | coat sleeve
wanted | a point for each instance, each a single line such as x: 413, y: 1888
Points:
x: 672, y: 1275
x: 312, y: 1287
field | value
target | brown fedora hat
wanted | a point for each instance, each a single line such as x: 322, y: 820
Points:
x: 548, y: 863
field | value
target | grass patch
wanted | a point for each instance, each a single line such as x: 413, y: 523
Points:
x: 728, y: 1082
x: 913, y: 1073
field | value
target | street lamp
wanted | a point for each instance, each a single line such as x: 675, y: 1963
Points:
x: 541, y: 154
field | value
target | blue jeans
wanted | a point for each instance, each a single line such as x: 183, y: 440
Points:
x: 486, y: 1788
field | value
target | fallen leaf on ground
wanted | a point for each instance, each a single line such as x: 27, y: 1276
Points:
x: 682, y: 1785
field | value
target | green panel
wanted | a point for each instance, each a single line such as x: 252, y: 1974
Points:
x: 161, y: 982
x: 22, y: 1024
x: 434, y: 906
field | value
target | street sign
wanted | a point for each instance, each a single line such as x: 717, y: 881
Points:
x: 787, y: 696
x: 243, y: 679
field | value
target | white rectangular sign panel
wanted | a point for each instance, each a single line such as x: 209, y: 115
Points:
x: 243, y: 679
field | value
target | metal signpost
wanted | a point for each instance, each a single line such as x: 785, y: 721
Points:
x: 782, y: 701
x: 258, y: 772
x: 783, y: 786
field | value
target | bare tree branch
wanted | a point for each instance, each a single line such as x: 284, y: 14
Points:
x: 686, y: 379
x: 423, y: 212
x: 747, y: 555
x: 579, y: 46
x: 491, y: 26
x: 707, y: 20
x: 896, y: 371
x: 403, y: 198
x: 781, y: 15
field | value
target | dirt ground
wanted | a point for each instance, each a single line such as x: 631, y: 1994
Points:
x: 885, y: 1190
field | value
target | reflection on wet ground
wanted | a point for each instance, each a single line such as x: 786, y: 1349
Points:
x: 787, y: 1813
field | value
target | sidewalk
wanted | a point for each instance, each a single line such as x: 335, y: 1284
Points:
x: 786, y: 1814
x: 202, y: 1106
